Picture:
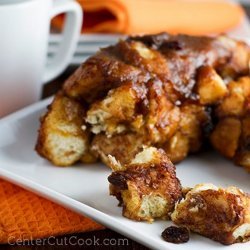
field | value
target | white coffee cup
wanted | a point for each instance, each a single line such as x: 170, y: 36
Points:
x: 24, y: 33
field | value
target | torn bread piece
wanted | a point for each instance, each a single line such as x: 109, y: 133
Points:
x: 189, y: 135
x: 210, y: 86
x: 226, y: 136
x: 62, y: 139
x: 112, y: 114
x: 123, y: 147
x: 147, y: 188
x: 220, y: 214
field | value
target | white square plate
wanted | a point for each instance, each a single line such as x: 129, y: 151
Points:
x: 84, y: 188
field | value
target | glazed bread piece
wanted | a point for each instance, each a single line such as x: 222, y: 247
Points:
x: 242, y: 156
x: 210, y: 86
x: 147, y: 188
x: 123, y: 147
x: 144, y: 110
x: 116, y: 113
x: 190, y: 133
x: 63, y: 138
x: 220, y: 214
x: 231, y: 135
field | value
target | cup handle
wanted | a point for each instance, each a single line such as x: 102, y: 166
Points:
x: 71, y: 32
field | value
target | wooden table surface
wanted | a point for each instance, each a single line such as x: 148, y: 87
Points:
x: 117, y: 241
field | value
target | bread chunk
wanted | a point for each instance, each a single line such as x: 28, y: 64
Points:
x: 211, y: 87
x: 219, y: 214
x: 242, y: 156
x: 123, y: 147
x: 189, y: 135
x: 234, y: 104
x: 147, y: 187
x: 226, y: 135
x: 115, y: 112
x: 62, y: 139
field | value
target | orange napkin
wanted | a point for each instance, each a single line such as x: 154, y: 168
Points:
x: 195, y: 17
x: 24, y: 216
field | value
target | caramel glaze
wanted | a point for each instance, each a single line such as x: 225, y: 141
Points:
x: 175, y: 62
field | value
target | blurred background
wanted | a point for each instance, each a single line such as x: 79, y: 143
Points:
x: 106, y: 21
